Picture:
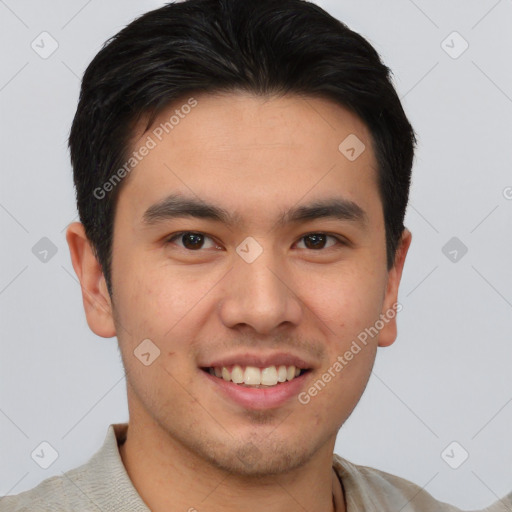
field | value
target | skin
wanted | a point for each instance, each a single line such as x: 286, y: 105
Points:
x: 256, y: 157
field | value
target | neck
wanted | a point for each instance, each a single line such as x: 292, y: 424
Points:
x: 169, y: 478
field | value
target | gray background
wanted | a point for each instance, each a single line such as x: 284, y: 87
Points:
x: 447, y: 378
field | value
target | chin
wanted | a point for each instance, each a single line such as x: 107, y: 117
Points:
x: 259, y: 459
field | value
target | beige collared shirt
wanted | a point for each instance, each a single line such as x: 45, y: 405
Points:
x: 102, y: 484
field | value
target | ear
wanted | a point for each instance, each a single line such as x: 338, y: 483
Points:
x: 95, y: 296
x: 388, y: 333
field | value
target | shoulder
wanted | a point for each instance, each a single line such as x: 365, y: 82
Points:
x: 55, y: 494
x: 502, y: 505
x: 373, y: 488
x: 90, y: 486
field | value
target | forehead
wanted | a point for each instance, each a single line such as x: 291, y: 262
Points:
x: 253, y: 155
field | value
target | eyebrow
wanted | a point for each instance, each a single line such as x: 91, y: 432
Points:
x: 179, y: 206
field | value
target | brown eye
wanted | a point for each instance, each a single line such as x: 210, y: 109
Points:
x: 317, y: 241
x: 190, y: 240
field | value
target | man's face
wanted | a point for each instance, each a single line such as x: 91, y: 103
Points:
x: 257, y: 292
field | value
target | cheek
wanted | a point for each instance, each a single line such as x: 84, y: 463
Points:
x: 155, y: 306
x: 148, y: 297
x: 338, y: 387
x: 168, y: 306
x: 347, y: 303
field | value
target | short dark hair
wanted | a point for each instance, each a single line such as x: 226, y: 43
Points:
x: 262, y: 47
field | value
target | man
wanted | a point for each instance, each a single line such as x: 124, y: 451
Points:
x: 242, y: 170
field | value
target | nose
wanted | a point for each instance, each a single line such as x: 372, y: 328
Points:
x: 260, y: 294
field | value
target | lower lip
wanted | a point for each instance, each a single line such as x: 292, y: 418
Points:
x: 259, y: 398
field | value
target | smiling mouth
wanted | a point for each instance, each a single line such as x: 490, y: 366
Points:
x: 254, y: 377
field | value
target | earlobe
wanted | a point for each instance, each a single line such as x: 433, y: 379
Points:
x: 95, y: 296
x: 391, y: 305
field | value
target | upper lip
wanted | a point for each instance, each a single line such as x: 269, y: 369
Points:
x: 260, y: 360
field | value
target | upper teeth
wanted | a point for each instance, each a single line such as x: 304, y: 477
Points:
x: 254, y: 376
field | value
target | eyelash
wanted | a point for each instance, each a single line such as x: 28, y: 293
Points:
x: 339, y: 240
